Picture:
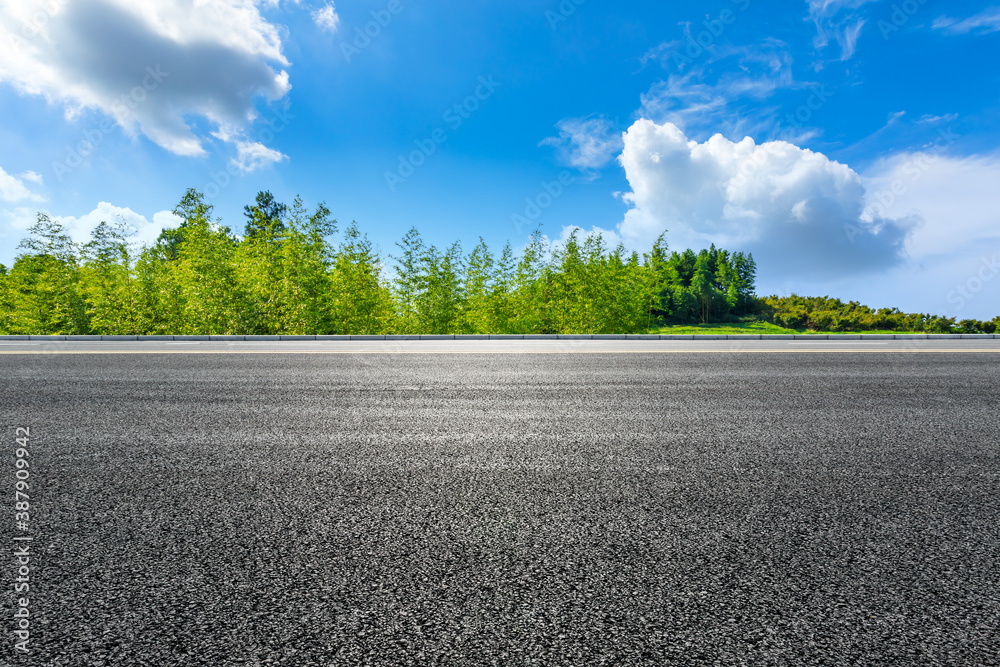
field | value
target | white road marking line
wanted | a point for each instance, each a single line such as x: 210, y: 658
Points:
x: 529, y: 351
x: 835, y: 342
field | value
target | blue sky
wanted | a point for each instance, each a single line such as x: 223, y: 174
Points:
x: 852, y: 145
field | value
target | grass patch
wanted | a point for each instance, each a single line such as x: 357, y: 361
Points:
x: 753, y: 328
x: 729, y: 328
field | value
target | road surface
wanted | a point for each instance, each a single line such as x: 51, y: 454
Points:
x: 496, y: 502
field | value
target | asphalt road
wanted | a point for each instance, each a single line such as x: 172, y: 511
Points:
x: 806, y: 505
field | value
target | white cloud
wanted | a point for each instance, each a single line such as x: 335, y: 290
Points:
x: 14, y: 222
x: 162, y: 220
x: 146, y: 232
x: 13, y: 189
x: 837, y: 20
x: 327, y: 18
x: 955, y: 196
x: 695, y: 103
x: 14, y: 225
x: 985, y: 22
x: 926, y: 224
x: 32, y: 177
x: 798, y: 211
x: 152, y: 65
x: 253, y: 155
x: 934, y: 120
x: 848, y: 38
x: 586, y: 143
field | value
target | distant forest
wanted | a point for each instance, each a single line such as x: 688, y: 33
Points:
x: 284, y: 276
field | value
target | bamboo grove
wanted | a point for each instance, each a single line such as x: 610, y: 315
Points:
x: 284, y: 275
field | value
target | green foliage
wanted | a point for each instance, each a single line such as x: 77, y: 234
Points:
x: 43, y: 292
x: 284, y: 276
x: 826, y: 314
x: 477, y: 270
x: 266, y: 216
x: 107, y: 281
x: 362, y: 302
x: 710, y: 286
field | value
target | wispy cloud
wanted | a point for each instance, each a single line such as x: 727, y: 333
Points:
x: 697, y: 99
x: 848, y: 39
x: 928, y: 119
x: 586, y: 143
x: 839, y: 21
x: 982, y: 23
x: 895, y: 116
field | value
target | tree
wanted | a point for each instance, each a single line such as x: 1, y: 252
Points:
x: 566, y: 282
x: 701, y: 286
x: 192, y: 210
x: 477, y: 317
x: 107, y: 282
x: 529, y: 298
x: 6, y: 302
x: 684, y: 265
x: 439, y: 304
x: 307, y: 262
x: 663, y: 275
x: 362, y: 304
x: 745, y: 281
x: 502, y: 281
x: 266, y: 215
x: 204, y: 277
x: 409, y: 282
x: 44, y: 283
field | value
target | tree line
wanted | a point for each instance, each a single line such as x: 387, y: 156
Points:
x: 285, y: 274
x: 826, y: 314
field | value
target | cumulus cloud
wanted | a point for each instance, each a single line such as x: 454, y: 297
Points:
x: 15, y: 222
x: 13, y: 188
x: 152, y: 65
x: 985, y: 22
x: 954, y: 253
x: 586, y: 143
x: 956, y: 197
x: 254, y: 155
x: 327, y: 18
x: 32, y: 177
x: 145, y: 231
x: 796, y: 210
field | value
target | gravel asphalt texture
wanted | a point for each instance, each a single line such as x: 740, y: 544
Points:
x: 505, y: 509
